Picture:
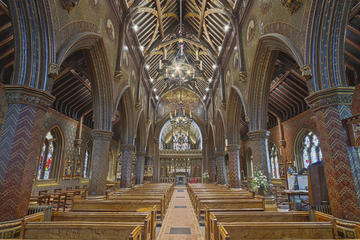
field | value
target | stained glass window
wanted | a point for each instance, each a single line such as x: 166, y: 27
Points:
x: 311, y: 151
x: 86, y: 159
x: 47, y: 156
x: 274, y: 159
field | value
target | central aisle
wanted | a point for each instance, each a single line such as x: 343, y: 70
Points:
x: 180, y: 221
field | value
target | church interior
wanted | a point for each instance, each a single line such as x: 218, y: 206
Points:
x: 179, y: 119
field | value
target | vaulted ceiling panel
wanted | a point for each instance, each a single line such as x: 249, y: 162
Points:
x: 288, y: 91
x: 196, y: 25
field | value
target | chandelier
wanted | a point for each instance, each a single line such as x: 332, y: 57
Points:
x: 180, y: 119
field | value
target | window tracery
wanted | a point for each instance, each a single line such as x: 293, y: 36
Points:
x: 274, y: 159
x: 310, y: 150
x: 48, y: 156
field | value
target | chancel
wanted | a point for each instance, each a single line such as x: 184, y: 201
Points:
x: 179, y: 119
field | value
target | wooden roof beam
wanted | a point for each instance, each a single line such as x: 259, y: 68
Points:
x: 159, y: 11
x: 202, y: 17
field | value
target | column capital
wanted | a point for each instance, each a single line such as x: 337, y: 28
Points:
x: 330, y: 97
x: 100, y: 134
x: 233, y: 147
x: 219, y: 153
x: 141, y: 154
x: 258, y: 134
x: 17, y: 94
x: 127, y: 147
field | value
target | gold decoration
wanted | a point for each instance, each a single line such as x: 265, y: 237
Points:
x: 69, y: 4
x: 306, y: 71
x: 291, y: 5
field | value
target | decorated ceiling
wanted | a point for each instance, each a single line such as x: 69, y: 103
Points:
x: 171, y: 101
x: 196, y: 28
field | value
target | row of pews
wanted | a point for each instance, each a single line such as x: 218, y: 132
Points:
x: 59, y: 199
x: 120, y: 214
x: 230, y: 214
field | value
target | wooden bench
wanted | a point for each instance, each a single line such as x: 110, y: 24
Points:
x: 84, y: 230
x: 200, y: 199
x: 275, y: 230
x: 149, y: 222
x: 116, y: 206
x: 240, y: 204
x: 162, y: 206
x: 213, y: 218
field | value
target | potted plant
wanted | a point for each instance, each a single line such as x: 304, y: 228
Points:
x: 205, y: 176
x: 259, y: 183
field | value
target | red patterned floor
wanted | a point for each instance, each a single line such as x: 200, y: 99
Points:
x: 179, y: 219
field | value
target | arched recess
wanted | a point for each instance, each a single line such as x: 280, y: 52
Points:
x: 211, y: 154
x: 51, y: 156
x: 267, y: 51
x: 124, y: 124
x: 219, y: 132
x: 140, y: 145
x: 221, y: 168
x: 149, y: 158
x: 101, y: 80
x: 236, y: 125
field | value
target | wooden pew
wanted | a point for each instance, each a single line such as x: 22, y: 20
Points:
x: 116, y: 206
x: 201, y: 198
x: 239, y: 204
x: 84, y: 230
x: 162, y: 207
x: 149, y: 223
x: 275, y: 230
x: 213, y: 218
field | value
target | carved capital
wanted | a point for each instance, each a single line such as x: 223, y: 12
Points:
x: 292, y: 5
x: 258, y: 135
x: 16, y: 94
x: 306, y: 71
x: 330, y: 97
x: 138, y: 106
x: 99, y: 134
x: 141, y: 154
x: 127, y: 147
x: 53, y: 70
x: 219, y: 154
x: 242, y: 76
x: 233, y: 148
x: 69, y: 4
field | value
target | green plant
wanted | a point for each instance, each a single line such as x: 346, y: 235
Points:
x: 205, y: 175
x: 258, y: 181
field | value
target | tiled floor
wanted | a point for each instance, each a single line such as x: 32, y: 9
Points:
x: 179, y: 222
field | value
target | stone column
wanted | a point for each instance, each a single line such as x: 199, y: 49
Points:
x: 221, y: 168
x: 99, y: 161
x: 234, y: 164
x: 331, y: 106
x: 260, y: 151
x: 127, y: 153
x: 140, y: 163
x: 212, y: 167
x: 20, y: 145
x: 156, y: 161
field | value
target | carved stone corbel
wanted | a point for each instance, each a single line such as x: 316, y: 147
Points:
x: 69, y: 4
x: 292, y: 5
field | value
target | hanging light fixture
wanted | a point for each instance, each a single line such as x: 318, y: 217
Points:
x: 180, y: 119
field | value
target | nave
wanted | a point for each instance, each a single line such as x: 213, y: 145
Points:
x: 168, y: 212
x: 107, y: 106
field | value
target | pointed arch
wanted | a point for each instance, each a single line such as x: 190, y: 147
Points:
x: 264, y: 61
x: 101, y: 80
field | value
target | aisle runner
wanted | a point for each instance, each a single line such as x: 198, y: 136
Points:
x: 180, y: 221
